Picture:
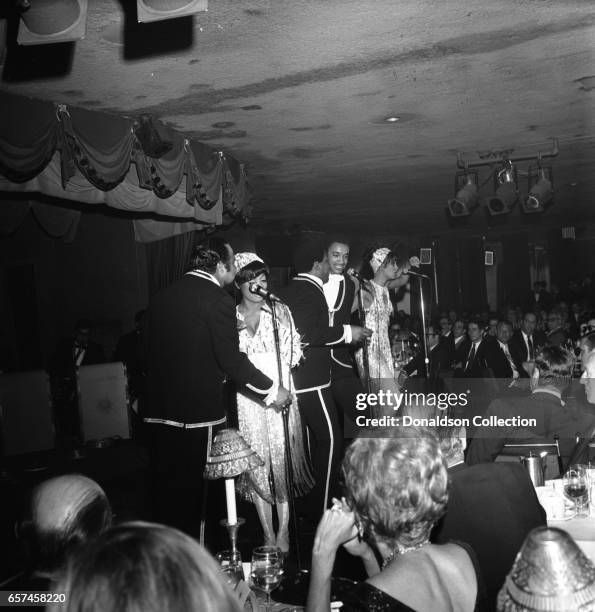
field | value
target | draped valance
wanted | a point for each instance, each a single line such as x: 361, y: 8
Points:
x: 93, y: 157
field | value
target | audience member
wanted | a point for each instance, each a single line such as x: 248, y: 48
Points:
x: 556, y: 334
x: 72, y: 353
x: 397, y: 489
x: 526, y: 341
x: 491, y: 506
x: 551, y: 375
x: 62, y: 515
x: 145, y: 567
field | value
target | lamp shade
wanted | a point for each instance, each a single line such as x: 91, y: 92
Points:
x: 550, y: 573
x: 230, y: 456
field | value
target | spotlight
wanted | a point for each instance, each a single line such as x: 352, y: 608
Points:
x: 506, y: 192
x: 156, y: 10
x: 541, y: 193
x: 51, y: 21
x: 466, y: 199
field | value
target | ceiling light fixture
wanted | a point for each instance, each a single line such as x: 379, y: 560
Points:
x: 52, y: 21
x: 392, y: 119
x: 541, y: 190
x: 157, y: 10
x: 506, y: 191
x: 466, y: 197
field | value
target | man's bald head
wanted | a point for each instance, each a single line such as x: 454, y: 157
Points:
x: 63, y: 513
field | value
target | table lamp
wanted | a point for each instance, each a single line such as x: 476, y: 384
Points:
x: 229, y: 457
x: 550, y: 573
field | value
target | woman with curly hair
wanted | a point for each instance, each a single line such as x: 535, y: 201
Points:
x: 396, y: 490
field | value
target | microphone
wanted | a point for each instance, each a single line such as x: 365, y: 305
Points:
x: 357, y: 275
x: 263, y: 293
x: 411, y: 272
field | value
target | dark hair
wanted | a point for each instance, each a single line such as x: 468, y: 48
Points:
x: 555, y: 366
x: 144, y: 567
x: 310, y: 250
x: 83, y: 323
x: 338, y: 238
x: 49, y: 549
x: 206, y: 255
x: 251, y: 271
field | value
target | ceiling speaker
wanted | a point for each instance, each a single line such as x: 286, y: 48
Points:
x: 425, y: 256
x: 53, y: 21
x: 156, y: 10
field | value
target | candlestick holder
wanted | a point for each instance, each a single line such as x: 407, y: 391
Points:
x: 232, y: 531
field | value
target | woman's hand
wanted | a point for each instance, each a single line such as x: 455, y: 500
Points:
x: 336, y: 527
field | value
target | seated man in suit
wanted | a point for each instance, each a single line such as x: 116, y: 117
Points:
x: 439, y: 353
x: 491, y: 506
x: 62, y: 515
x: 526, y: 341
x: 556, y: 334
x: 552, y: 416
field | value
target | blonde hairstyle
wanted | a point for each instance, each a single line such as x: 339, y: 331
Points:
x: 144, y: 567
x: 397, y: 487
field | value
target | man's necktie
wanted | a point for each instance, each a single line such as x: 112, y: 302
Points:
x: 531, y: 350
x: 471, y: 358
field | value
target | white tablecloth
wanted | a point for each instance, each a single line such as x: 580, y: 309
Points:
x: 583, y: 532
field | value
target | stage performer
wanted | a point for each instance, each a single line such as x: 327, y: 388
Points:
x: 191, y: 342
x: 263, y: 429
x: 339, y: 292
x: 378, y: 310
x: 305, y: 297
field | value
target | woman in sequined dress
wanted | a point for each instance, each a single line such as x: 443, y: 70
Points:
x: 378, y: 310
x: 263, y: 427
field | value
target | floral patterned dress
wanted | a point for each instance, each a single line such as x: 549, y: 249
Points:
x: 262, y: 427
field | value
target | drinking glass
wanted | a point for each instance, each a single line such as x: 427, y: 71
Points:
x: 231, y: 565
x: 267, y: 570
x: 576, y: 488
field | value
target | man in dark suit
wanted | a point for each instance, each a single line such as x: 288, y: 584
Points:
x: 77, y: 351
x: 459, y: 335
x: 191, y: 343
x: 440, y: 356
x: 526, y: 341
x: 305, y: 297
x: 482, y: 356
x: 339, y: 292
x: 492, y: 507
x: 551, y: 375
x: 556, y: 334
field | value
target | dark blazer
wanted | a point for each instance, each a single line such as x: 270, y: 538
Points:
x: 341, y: 315
x: 487, y: 357
x: 62, y: 361
x: 308, y: 306
x: 460, y: 350
x: 553, y: 417
x: 519, y: 351
x: 190, y: 342
x: 440, y: 360
x: 492, y: 507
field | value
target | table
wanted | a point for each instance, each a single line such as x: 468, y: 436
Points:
x: 582, y: 530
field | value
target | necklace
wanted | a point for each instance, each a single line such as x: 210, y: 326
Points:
x: 401, y: 550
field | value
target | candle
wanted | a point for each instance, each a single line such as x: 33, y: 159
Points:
x: 230, y: 498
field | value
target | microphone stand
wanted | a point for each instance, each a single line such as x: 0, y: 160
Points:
x: 362, y: 318
x: 285, y: 414
x: 424, y: 329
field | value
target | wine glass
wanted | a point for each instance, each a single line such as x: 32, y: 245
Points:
x: 231, y: 565
x: 576, y: 487
x: 267, y: 570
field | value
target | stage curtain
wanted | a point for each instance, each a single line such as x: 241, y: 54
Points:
x: 516, y: 281
x: 82, y: 155
x: 167, y: 260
